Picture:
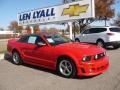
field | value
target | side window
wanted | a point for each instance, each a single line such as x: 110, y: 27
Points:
x: 97, y: 30
x: 102, y: 29
x: 93, y: 30
x: 39, y: 39
x: 32, y: 39
x: 23, y: 39
x: 86, y: 32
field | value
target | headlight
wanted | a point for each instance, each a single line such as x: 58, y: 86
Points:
x: 86, y: 58
x: 98, y: 56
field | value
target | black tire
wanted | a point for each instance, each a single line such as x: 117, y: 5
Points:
x: 101, y: 43
x: 66, y: 68
x: 16, y: 58
x: 77, y: 40
x: 116, y: 46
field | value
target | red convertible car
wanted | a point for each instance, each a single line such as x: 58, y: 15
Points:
x: 59, y: 53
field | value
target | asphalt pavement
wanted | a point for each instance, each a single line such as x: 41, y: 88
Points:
x: 28, y: 77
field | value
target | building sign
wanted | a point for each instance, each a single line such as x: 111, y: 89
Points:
x: 61, y: 13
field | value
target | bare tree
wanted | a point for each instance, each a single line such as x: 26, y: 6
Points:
x: 14, y: 26
x: 36, y: 29
x: 117, y: 20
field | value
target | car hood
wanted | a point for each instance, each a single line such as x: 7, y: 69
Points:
x: 77, y: 47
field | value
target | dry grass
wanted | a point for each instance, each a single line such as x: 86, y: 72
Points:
x: 3, y: 49
x: 3, y: 46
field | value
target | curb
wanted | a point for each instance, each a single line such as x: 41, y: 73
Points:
x: 1, y: 56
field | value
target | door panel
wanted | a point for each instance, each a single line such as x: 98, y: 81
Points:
x: 25, y: 50
x: 43, y: 55
x: 36, y: 54
x: 85, y: 36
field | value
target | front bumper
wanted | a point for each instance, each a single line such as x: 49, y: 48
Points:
x: 94, y: 68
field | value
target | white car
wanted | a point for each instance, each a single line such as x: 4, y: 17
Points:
x: 102, y: 36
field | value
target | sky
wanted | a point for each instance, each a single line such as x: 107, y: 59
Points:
x: 10, y: 8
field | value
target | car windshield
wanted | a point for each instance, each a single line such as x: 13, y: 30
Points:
x: 57, y: 39
x: 115, y: 30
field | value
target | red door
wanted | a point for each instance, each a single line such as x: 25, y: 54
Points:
x: 43, y: 56
x: 39, y: 55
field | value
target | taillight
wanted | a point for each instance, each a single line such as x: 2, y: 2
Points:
x: 110, y: 34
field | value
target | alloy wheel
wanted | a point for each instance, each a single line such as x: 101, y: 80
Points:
x: 16, y: 58
x: 65, y: 67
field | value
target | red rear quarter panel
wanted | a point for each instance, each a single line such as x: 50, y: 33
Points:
x: 12, y: 44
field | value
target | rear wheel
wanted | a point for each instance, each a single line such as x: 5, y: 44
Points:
x: 100, y: 43
x: 77, y: 40
x: 16, y: 58
x: 66, y: 68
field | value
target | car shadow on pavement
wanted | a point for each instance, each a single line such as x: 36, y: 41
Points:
x: 112, y: 48
x: 40, y: 68
x: 8, y: 58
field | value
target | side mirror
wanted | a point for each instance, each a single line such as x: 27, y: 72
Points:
x: 41, y: 44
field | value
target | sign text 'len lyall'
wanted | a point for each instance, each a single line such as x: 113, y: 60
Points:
x: 61, y: 13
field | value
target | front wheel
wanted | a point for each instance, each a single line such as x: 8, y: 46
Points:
x: 16, y: 58
x: 66, y: 68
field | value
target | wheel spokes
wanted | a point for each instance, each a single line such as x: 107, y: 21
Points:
x: 65, y: 67
x: 16, y: 58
